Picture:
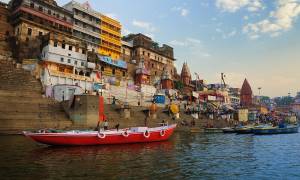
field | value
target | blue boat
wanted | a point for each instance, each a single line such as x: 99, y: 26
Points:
x: 281, y: 129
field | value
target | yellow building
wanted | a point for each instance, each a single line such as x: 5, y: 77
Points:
x: 110, y: 37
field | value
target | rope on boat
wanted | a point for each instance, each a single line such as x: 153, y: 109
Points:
x: 146, y: 134
x: 101, y: 135
x: 162, y: 132
x: 125, y: 133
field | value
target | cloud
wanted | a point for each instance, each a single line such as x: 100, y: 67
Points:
x: 226, y: 35
x: 234, y: 5
x: 186, y: 42
x: 282, y: 19
x: 193, y: 46
x: 144, y: 25
x: 182, y: 11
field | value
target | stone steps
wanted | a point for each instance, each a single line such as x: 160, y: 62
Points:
x: 21, y: 103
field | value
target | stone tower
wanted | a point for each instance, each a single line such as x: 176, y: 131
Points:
x: 246, y: 94
x: 185, y: 75
x: 166, y: 79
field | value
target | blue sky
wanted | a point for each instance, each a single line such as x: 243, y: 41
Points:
x: 254, y: 39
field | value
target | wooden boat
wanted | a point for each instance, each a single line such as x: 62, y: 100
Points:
x: 121, y: 136
x: 275, y: 130
x: 229, y: 130
x: 244, y: 130
x: 213, y: 130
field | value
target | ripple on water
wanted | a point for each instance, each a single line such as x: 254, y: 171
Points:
x: 184, y: 156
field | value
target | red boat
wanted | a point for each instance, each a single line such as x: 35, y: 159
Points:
x: 121, y: 136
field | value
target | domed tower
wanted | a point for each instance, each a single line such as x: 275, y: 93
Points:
x: 246, y: 94
x: 166, y: 79
x: 185, y: 75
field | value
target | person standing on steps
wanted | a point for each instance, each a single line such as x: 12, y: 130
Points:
x: 146, y: 121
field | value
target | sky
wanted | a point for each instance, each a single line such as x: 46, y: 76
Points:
x: 254, y: 39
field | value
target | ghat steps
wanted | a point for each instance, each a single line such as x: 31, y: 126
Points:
x: 21, y: 103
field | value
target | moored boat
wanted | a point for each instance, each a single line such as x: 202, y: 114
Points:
x: 244, y: 130
x: 121, y: 136
x: 229, y: 130
x: 288, y: 129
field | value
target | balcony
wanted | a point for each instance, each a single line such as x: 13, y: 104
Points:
x: 110, y: 21
x: 84, y: 30
x: 92, y: 23
x: 107, y: 29
x: 110, y: 40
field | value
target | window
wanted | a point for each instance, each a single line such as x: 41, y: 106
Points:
x: 40, y: 8
x: 102, y: 68
x: 55, y: 43
x: 63, y: 45
x: 69, y: 54
x: 113, y: 71
x: 29, y: 31
x: 40, y: 33
x: 61, y: 59
x: 83, y: 51
x: 143, y: 52
x: 152, y: 65
x: 148, y: 54
x: 69, y: 60
x: 155, y: 73
x: 124, y: 73
x: 82, y: 63
x: 70, y: 48
x: 31, y: 4
x: 76, y: 49
x: 49, y: 11
x: 75, y: 62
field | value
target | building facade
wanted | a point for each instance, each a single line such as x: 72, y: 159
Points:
x: 32, y: 19
x: 86, y: 24
x: 110, y: 37
x: 154, y: 57
x: 64, y: 61
x: 6, y: 28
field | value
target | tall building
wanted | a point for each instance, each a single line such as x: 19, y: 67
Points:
x: 155, y: 58
x: 64, y: 61
x: 33, y: 18
x: 6, y: 28
x: 246, y: 94
x: 110, y: 37
x: 86, y: 24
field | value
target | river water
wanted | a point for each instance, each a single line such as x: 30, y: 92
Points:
x: 184, y: 156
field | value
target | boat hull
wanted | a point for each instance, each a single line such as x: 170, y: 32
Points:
x: 266, y: 131
x: 94, y: 138
x: 244, y: 131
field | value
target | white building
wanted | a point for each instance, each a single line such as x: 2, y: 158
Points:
x: 64, y: 61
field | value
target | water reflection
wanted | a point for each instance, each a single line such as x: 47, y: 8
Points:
x: 184, y: 156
